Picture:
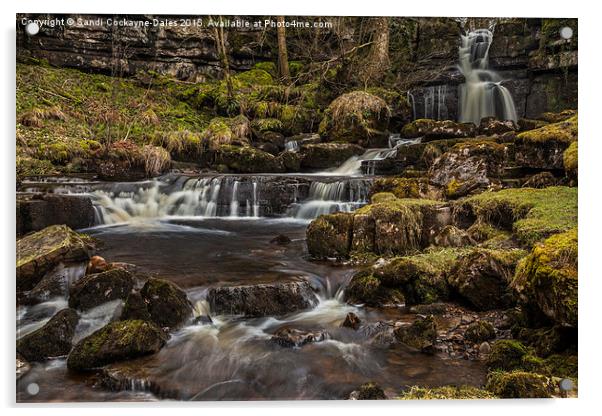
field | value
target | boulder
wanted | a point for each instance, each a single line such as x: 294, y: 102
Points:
x: 482, y: 278
x: 292, y: 337
x: 38, y: 211
x: 96, y: 289
x: 366, y: 288
x: 356, y: 117
x: 262, y: 299
x: 329, y: 236
x: 547, y: 279
x: 421, y: 334
x: 490, y: 126
x: 51, y: 340
x: 41, y: 251
x: 281, y: 240
x: 468, y: 166
x: 327, y: 155
x: 368, y: 391
x: 543, y: 148
x: 519, y: 385
x: 507, y: 355
x: 479, y: 332
x: 435, y: 129
x: 135, y: 307
x: 351, y: 321
x: 118, y: 341
x: 167, y: 304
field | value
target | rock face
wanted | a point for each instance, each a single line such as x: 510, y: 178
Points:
x: 96, y: 289
x: 327, y: 155
x: 421, y: 334
x: 356, y: 117
x: 118, y: 341
x: 330, y: 235
x: 292, y: 337
x: 262, y: 299
x: 482, y: 278
x: 40, y: 252
x: 547, y: 280
x: 167, y: 304
x: 434, y: 129
x: 468, y: 166
x: 36, y: 212
x: 52, y: 340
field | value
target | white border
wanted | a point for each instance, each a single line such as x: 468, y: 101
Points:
x: 590, y: 129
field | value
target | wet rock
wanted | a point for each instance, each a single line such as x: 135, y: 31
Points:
x: 41, y: 251
x: 292, y: 337
x: 484, y: 349
x: 99, y: 288
x: 356, y: 117
x: 22, y: 366
x: 36, y: 212
x: 435, y: 129
x: 167, y: 304
x: 327, y: 155
x: 118, y: 341
x: 451, y: 236
x: 330, y: 235
x: 519, y: 385
x: 482, y: 277
x: 97, y: 264
x: 479, y: 331
x: 351, y: 321
x: 541, y: 180
x: 468, y: 166
x: 366, y: 288
x: 281, y: 240
x: 262, y: 299
x: 52, y: 340
x: 421, y: 334
x: 490, y: 126
x: 543, y: 148
x: 547, y: 280
x: 368, y: 391
x: 135, y: 307
x: 55, y: 283
x: 379, y: 333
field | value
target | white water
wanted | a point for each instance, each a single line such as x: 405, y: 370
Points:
x: 482, y: 95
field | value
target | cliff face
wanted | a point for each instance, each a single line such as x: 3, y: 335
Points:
x: 539, y: 66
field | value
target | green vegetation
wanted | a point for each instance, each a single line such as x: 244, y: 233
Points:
x: 564, y: 131
x: 519, y: 384
x: 445, y: 393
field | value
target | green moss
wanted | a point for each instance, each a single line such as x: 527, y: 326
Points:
x: 571, y: 158
x: 564, y: 131
x: 563, y: 365
x: 519, y: 384
x: 269, y: 67
x: 417, y: 128
x: 548, y: 278
x: 507, y: 355
x: 533, y: 214
x: 400, y: 187
x: 266, y: 124
x: 382, y: 197
x: 445, y: 393
x: 330, y: 235
x: 479, y: 331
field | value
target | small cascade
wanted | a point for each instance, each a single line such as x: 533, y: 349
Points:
x: 291, y: 146
x: 329, y: 197
x: 431, y: 100
x: 482, y: 95
x: 234, y: 200
x: 412, y: 101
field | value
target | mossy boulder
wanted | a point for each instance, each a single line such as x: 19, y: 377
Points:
x: 96, y: 289
x: 490, y: 126
x: 403, y: 187
x: 547, y: 278
x: 51, y: 340
x: 451, y: 236
x: 41, y: 251
x: 368, y: 391
x: 482, y: 277
x: 330, y: 235
x: 507, y: 355
x: 135, y: 307
x: 551, y: 117
x: 468, y: 166
x: 435, y: 129
x: 167, y: 304
x: 356, y: 117
x: 479, y: 331
x: 246, y: 159
x: 519, y: 385
x: 366, y: 288
x: 420, y: 334
x: 118, y: 341
x: 543, y: 148
x: 445, y: 393
x: 570, y: 160
x: 327, y: 155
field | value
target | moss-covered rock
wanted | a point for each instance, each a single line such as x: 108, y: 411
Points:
x: 96, y: 289
x: 435, y: 129
x: 451, y: 236
x: 403, y: 187
x: 327, y: 155
x: 118, y: 341
x: 167, y: 304
x: 51, y: 340
x: 519, y: 385
x: 479, y: 331
x: 543, y: 148
x: 507, y: 355
x: 356, y: 117
x: 366, y: 288
x: 570, y: 160
x: 445, y: 393
x: 482, y: 277
x: 547, y: 278
x: 490, y: 126
x: 368, y: 391
x: 421, y: 334
x: 330, y: 235
x: 40, y: 252
x: 531, y: 214
x: 246, y: 159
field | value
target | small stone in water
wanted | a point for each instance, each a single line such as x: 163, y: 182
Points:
x: 484, y: 348
x: 351, y: 321
x: 280, y: 240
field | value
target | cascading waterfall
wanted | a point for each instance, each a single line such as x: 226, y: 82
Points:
x: 482, y: 95
x: 338, y: 196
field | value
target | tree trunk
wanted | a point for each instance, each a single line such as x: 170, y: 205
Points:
x: 220, y: 42
x: 377, y: 61
x: 282, y: 52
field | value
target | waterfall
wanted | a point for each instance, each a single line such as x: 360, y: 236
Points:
x: 482, y: 95
x: 329, y: 197
x: 433, y: 104
x: 234, y: 200
x: 291, y: 146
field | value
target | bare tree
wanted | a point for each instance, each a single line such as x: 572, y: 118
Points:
x: 376, y: 63
x: 283, y: 69
x: 220, y: 41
